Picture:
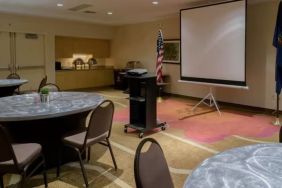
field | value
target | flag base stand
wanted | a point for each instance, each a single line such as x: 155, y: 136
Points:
x: 276, y: 122
x: 212, y: 102
x: 159, y: 99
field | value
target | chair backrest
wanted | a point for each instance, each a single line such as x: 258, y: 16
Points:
x: 150, y: 167
x: 13, y: 76
x: 51, y: 87
x: 101, y: 120
x: 42, y: 83
x: 7, y: 152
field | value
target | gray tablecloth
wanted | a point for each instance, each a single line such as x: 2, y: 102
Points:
x: 254, y: 166
x: 29, y: 107
x: 11, y: 82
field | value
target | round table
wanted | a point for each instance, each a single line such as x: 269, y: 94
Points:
x: 254, y: 166
x: 29, y: 120
x: 8, y: 86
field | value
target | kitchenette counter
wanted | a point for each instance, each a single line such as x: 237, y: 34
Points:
x: 97, y: 76
x: 96, y: 67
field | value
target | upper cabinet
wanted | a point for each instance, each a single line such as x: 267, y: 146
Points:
x: 67, y: 46
x: 64, y: 47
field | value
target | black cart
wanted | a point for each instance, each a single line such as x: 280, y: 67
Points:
x: 143, y: 105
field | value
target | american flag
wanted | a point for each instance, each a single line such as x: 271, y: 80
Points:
x: 160, y: 56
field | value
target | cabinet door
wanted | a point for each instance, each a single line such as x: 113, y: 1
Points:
x: 100, y: 48
x: 81, y: 45
x: 64, y: 47
x: 67, y: 46
x: 5, y: 57
x: 30, y: 58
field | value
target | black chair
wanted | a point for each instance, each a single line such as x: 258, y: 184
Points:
x: 150, y: 167
x: 51, y: 87
x: 42, y: 83
x: 17, y: 158
x: 98, y: 131
x: 13, y: 76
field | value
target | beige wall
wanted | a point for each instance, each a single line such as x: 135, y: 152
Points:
x: 50, y: 28
x: 138, y: 42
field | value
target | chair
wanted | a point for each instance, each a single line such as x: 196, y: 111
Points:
x: 16, y: 158
x: 13, y: 76
x: 150, y: 167
x: 42, y: 83
x: 98, y: 131
x: 51, y: 87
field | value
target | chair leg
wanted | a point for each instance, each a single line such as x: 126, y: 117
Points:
x: 23, y: 180
x: 1, y: 181
x: 82, y: 168
x: 112, y: 154
x: 59, y: 161
x: 44, y: 172
x: 89, y: 152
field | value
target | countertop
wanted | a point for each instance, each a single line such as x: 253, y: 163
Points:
x: 98, y: 67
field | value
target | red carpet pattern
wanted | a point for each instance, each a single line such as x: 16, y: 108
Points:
x: 208, y: 127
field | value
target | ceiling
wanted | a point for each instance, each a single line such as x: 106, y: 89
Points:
x: 124, y: 11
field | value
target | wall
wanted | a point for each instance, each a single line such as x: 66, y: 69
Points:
x: 138, y: 42
x: 50, y: 28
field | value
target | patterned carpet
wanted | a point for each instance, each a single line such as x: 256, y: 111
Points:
x: 186, y: 143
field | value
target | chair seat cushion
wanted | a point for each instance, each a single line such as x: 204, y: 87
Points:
x: 25, y: 153
x: 77, y: 140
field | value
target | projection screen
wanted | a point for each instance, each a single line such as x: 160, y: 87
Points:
x: 213, y: 44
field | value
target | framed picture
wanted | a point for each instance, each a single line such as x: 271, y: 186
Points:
x: 171, y: 51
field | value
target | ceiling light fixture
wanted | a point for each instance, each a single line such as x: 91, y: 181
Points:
x: 60, y: 5
x: 109, y: 13
x: 155, y: 2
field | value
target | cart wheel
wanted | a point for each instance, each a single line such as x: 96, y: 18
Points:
x: 163, y: 128
x: 125, y: 129
x: 141, y: 135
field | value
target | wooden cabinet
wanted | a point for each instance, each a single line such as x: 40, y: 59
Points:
x: 65, y: 47
x: 78, y: 79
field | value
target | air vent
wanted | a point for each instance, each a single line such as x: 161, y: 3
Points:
x: 89, y: 12
x: 31, y: 36
x: 80, y: 7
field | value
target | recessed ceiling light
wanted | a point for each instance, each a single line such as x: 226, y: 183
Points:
x: 60, y: 5
x: 109, y: 13
x: 155, y: 2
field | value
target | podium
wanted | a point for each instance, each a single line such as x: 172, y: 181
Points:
x: 143, y: 104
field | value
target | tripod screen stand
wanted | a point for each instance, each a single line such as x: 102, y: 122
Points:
x: 212, y: 102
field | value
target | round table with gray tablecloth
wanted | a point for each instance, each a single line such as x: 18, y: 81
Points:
x: 254, y: 166
x: 8, y: 86
x: 29, y: 120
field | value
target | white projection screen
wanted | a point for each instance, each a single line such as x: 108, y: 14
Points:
x: 213, y: 44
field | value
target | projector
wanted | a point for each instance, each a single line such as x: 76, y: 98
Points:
x: 137, y: 72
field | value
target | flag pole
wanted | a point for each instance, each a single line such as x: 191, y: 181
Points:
x: 160, y: 54
x: 277, y: 43
x: 277, y: 121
